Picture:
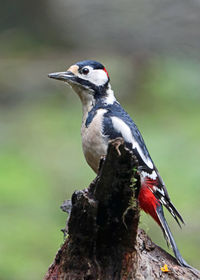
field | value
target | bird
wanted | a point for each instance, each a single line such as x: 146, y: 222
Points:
x: 103, y: 120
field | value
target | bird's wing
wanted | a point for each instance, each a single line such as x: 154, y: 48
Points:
x: 117, y: 123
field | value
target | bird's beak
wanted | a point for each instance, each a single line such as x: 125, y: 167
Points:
x: 70, y: 76
x: 67, y: 76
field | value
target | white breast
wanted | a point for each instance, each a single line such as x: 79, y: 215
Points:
x: 93, y: 142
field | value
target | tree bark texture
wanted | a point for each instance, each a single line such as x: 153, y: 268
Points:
x: 103, y: 240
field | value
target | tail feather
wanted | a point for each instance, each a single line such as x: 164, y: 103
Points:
x: 157, y: 185
x: 169, y: 237
x: 174, y: 212
x: 151, y: 198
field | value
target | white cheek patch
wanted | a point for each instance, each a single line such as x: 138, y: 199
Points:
x: 126, y: 133
x: 96, y: 76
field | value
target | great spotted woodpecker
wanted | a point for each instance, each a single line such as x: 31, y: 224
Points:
x: 104, y: 119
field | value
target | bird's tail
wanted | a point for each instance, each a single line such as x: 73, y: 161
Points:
x: 151, y: 205
x: 168, y: 236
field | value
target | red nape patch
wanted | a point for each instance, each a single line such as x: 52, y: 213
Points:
x: 106, y: 71
x: 148, y: 202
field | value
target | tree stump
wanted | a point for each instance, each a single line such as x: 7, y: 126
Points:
x: 103, y: 240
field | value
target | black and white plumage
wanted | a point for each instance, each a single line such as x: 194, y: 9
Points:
x: 104, y: 119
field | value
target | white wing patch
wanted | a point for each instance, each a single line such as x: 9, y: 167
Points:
x: 152, y: 176
x: 120, y: 126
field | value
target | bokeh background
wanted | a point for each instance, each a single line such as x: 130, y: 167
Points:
x: 151, y: 51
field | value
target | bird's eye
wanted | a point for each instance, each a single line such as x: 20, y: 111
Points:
x: 85, y: 71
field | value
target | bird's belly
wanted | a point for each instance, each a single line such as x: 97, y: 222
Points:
x: 94, y: 143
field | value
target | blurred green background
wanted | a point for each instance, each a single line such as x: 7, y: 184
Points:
x: 151, y: 51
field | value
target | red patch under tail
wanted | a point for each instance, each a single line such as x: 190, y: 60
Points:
x: 148, y: 202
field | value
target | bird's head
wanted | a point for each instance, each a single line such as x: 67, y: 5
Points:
x: 88, y: 78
